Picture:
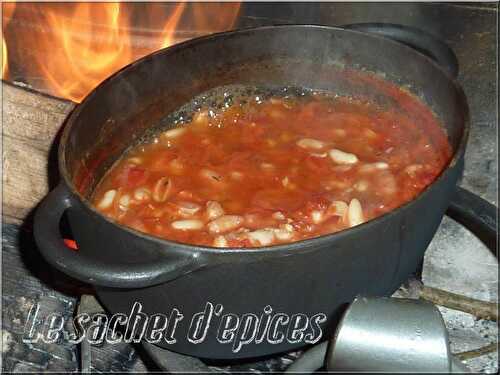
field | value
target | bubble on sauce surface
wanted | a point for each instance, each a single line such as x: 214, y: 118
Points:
x: 223, y: 98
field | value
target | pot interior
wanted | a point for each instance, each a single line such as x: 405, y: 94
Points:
x: 148, y: 94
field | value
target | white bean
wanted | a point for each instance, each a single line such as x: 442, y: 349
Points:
x: 214, y: 210
x: 381, y: 165
x: 355, y: 213
x: 225, y: 223
x: 335, y: 184
x: 220, y: 241
x: 322, y: 155
x: 341, y: 157
x: 134, y: 160
x: 187, y: 224
x: 142, y: 194
x: 372, y: 167
x: 387, y: 183
x: 267, y: 167
x: 162, y: 189
x: 310, y: 143
x: 238, y: 235
x: 338, y: 208
x: 284, y: 233
x: 107, y: 199
x: 361, y: 185
x: 254, y: 221
x: 413, y: 168
x: 262, y: 237
x: 173, y: 133
x: 124, y: 202
x: 317, y: 216
x: 278, y: 215
x: 187, y: 209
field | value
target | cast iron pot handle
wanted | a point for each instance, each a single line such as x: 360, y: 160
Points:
x: 477, y: 215
x: 50, y: 243
x: 415, y: 38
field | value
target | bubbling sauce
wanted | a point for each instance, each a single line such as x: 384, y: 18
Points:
x: 274, y: 170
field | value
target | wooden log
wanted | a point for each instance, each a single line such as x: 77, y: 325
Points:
x: 30, y: 124
x: 480, y: 309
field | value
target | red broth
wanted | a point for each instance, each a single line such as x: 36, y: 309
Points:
x: 275, y: 171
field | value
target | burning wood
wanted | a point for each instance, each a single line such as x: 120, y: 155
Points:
x: 30, y: 124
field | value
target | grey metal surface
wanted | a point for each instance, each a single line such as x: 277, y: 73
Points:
x: 390, y: 335
x: 384, y: 335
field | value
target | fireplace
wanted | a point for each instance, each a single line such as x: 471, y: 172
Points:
x: 67, y: 49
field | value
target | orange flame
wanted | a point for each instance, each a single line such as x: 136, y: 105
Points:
x: 70, y: 48
x: 7, y: 10
x: 169, y: 28
x: 4, y: 57
x: 81, y: 63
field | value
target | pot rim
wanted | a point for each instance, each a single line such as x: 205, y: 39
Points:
x: 292, y: 247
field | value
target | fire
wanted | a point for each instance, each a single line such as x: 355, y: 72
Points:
x: 82, y: 63
x: 4, y: 57
x: 7, y: 10
x: 169, y: 28
x: 69, y: 48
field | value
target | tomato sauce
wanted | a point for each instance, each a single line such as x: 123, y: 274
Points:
x: 275, y: 170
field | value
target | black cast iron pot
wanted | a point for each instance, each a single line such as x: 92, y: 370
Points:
x: 314, y: 276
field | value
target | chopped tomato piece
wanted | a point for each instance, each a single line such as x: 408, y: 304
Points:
x: 70, y: 243
x: 131, y: 176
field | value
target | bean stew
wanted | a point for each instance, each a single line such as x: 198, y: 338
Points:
x: 275, y: 170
